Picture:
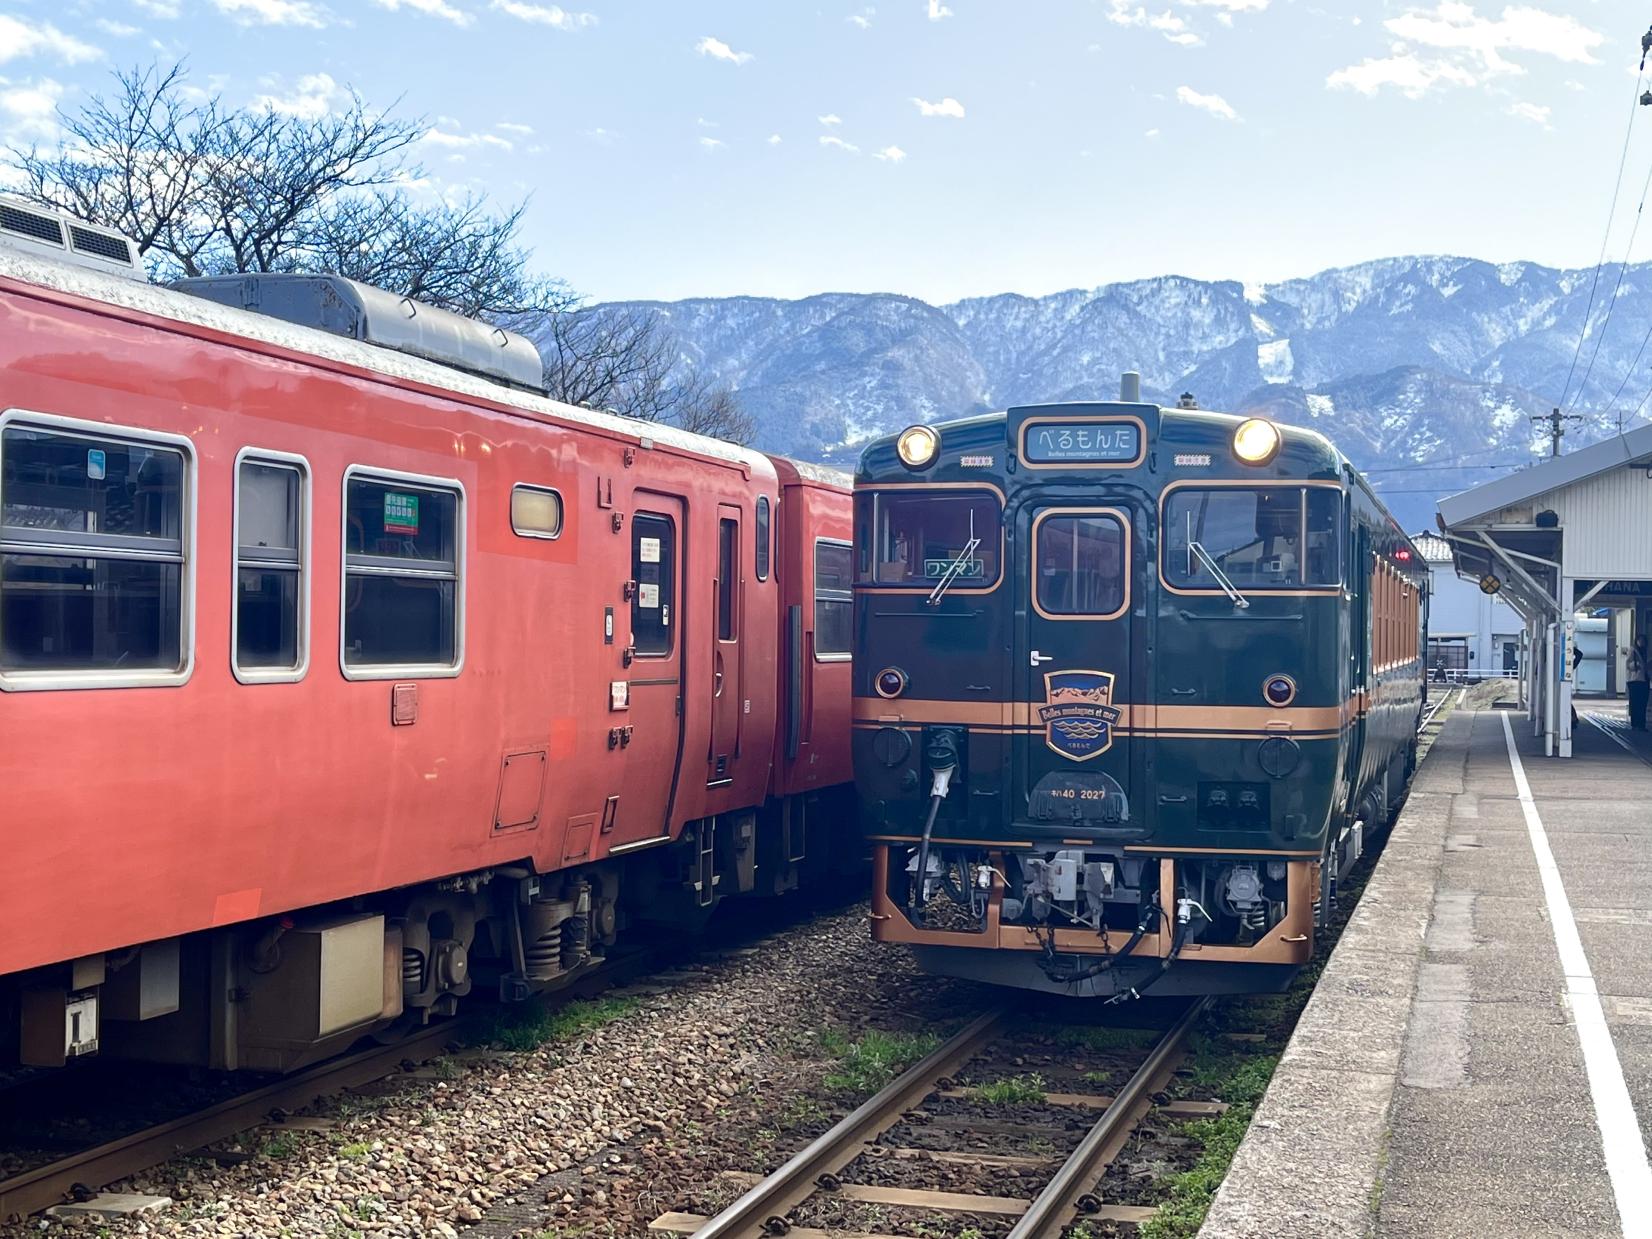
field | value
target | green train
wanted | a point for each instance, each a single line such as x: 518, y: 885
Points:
x: 1133, y: 684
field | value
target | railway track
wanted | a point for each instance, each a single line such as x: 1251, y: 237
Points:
x: 827, y: 1166
x: 79, y: 1174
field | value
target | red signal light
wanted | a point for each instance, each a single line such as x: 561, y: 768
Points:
x: 1402, y: 554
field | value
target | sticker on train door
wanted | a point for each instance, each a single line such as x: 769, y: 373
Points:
x: 1078, y: 714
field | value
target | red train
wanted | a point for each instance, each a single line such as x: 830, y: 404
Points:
x: 344, y: 676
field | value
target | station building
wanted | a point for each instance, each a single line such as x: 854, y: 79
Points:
x: 1572, y: 534
x: 1472, y: 635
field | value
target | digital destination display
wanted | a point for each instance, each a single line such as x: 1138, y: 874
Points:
x: 1087, y: 443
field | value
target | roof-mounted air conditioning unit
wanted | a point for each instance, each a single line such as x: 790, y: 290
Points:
x: 41, y: 230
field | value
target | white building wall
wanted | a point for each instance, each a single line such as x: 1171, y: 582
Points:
x: 1459, y: 608
x: 1605, y: 519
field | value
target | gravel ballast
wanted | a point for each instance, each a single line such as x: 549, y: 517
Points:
x: 715, y: 1066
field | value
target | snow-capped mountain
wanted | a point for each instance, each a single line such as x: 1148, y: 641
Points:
x: 1403, y: 362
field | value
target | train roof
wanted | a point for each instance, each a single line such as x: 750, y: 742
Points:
x: 164, y: 303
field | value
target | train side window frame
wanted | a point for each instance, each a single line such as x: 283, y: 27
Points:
x: 302, y: 565
x: 58, y: 679
x: 1121, y: 521
x: 761, y: 550
x: 544, y: 535
x: 666, y: 587
x: 869, y: 517
x: 413, y: 670
x: 833, y: 596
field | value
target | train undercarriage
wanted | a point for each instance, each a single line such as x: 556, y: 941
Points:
x: 278, y: 993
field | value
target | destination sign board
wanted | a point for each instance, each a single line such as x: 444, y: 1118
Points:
x: 1079, y: 442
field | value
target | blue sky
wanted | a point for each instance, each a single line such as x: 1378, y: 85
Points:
x: 675, y: 148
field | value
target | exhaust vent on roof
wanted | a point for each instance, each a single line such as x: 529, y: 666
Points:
x: 361, y: 312
x: 41, y: 230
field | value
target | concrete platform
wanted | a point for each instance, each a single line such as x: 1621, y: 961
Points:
x: 1477, y: 1057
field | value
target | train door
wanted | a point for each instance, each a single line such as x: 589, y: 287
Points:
x: 727, y: 678
x: 1081, y: 775
x: 653, y: 717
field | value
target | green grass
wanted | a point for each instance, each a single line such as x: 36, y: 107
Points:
x: 1238, y: 1078
x: 530, y: 1025
x: 281, y: 1145
x: 1191, y: 1192
x: 866, y: 1065
x: 1106, y: 1040
x: 1010, y: 1091
x: 356, y: 1151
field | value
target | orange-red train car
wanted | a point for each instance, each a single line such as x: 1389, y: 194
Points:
x: 342, y: 676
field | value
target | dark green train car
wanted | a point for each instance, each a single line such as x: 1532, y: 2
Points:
x: 1131, y: 685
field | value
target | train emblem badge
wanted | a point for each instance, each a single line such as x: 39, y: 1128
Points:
x: 1078, y: 714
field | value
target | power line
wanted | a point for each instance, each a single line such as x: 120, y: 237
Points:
x: 1424, y: 468
x: 1611, y: 214
x: 1623, y: 270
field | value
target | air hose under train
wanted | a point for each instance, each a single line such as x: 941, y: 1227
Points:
x: 941, y: 756
x: 1151, y: 915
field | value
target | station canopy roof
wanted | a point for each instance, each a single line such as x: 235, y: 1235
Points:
x: 1514, y: 529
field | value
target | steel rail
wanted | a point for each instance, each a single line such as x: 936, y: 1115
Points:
x: 57, y: 1182
x: 829, y: 1153
x: 1063, y: 1200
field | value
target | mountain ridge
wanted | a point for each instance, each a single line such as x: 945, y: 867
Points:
x: 1397, y: 359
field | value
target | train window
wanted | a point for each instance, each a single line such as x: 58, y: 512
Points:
x: 94, y: 541
x: 536, y: 512
x: 271, y: 618
x: 728, y: 577
x: 403, y: 610
x: 1260, y: 537
x: 761, y: 524
x: 921, y: 538
x: 834, y: 601
x: 1082, y: 565
x: 654, y: 569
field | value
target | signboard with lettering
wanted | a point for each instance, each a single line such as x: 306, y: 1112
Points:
x: 1081, y: 442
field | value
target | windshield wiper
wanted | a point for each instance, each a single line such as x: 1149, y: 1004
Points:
x: 1215, y: 570
x: 955, y: 568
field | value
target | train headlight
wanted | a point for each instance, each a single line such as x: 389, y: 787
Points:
x: 1256, y: 442
x: 917, y: 446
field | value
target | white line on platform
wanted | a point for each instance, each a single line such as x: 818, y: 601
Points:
x: 1620, y: 1130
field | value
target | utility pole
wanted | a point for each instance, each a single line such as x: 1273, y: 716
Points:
x: 1557, y: 428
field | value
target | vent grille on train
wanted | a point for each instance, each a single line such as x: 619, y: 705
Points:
x: 26, y: 223
x: 115, y: 249
x: 41, y: 230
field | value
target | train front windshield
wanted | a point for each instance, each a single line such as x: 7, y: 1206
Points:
x: 922, y: 539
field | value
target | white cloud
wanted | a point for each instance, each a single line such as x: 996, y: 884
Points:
x: 313, y: 98
x: 274, y: 12
x: 712, y: 144
x: 546, y: 15
x: 1453, y: 45
x: 703, y: 123
x: 718, y: 50
x: 1214, y: 104
x: 521, y: 131
x: 1230, y: 6
x: 831, y: 118
x: 119, y: 29
x: 890, y: 154
x: 1411, y: 75
x: 946, y: 107
x: 430, y: 8
x: 28, y: 110
x: 1534, y: 112
x: 1151, y: 134
x: 863, y: 19
x: 1167, y: 23
x: 828, y: 139
x: 937, y: 10
x: 775, y: 139
x: 166, y: 10
x: 468, y: 141
x: 21, y: 39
